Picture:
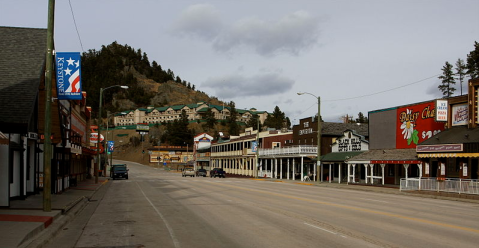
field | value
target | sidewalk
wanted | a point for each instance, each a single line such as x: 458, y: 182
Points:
x: 25, y: 218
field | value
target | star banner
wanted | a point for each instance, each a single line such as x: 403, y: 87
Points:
x: 111, y: 146
x: 68, y: 65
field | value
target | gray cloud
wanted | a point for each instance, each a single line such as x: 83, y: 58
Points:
x: 201, y: 20
x: 233, y: 86
x: 291, y: 34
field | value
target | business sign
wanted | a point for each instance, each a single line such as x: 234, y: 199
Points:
x: 441, y: 110
x: 415, y: 124
x: 350, y: 142
x: 68, y: 71
x: 142, y: 128
x: 204, y: 139
x: 460, y: 114
x: 440, y: 148
x: 94, y: 138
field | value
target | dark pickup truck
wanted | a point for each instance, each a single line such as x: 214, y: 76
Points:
x: 217, y: 172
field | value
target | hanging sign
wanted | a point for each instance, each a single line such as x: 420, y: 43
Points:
x: 111, y: 146
x: 68, y: 71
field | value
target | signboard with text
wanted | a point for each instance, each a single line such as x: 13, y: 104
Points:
x: 460, y: 114
x: 350, y: 142
x: 415, y: 124
x: 441, y: 110
x: 440, y: 148
x: 68, y: 71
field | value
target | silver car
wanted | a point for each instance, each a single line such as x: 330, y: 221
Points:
x: 188, y: 172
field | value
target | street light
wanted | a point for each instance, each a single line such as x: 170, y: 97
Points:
x: 255, y: 172
x: 99, y: 128
x: 318, y: 163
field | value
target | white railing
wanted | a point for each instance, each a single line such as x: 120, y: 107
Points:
x: 451, y: 185
x: 263, y: 173
x: 289, y: 150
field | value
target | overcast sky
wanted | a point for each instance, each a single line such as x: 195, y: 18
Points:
x: 358, y: 56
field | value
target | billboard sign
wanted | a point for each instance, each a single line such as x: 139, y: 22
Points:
x: 460, y: 114
x: 415, y: 124
x: 68, y: 71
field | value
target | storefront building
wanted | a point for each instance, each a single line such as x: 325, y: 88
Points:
x: 345, y: 147
x: 394, y: 134
x: 202, y: 151
x: 454, y: 153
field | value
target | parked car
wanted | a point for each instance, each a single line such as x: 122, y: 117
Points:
x: 115, y: 165
x: 217, y: 172
x: 201, y: 173
x: 119, y: 172
x: 188, y: 172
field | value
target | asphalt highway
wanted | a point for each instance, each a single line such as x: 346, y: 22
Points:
x: 157, y: 208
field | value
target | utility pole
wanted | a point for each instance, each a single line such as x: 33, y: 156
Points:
x: 47, y: 155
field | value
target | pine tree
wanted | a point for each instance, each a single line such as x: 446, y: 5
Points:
x: 447, y: 81
x: 233, y: 127
x: 177, y: 132
x: 361, y: 118
x: 460, y: 72
x: 210, y: 119
x: 276, y: 120
x: 473, y: 62
x: 253, y: 122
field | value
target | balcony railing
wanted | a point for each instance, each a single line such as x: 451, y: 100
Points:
x: 291, y: 150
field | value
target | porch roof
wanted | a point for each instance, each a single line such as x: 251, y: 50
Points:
x: 339, y: 156
x: 386, y: 156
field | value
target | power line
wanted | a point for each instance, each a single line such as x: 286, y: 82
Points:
x: 372, y: 94
x: 380, y: 92
x: 74, y: 21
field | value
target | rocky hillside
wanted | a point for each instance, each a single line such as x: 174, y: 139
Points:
x: 148, y: 83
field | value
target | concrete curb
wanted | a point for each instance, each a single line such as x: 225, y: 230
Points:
x: 42, y: 236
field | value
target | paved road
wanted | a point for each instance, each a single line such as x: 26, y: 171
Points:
x: 155, y: 208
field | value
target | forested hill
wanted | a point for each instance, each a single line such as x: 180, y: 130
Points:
x: 149, y: 83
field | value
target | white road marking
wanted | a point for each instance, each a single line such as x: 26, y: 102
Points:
x: 374, y: 200
x: 170, y: 230
x: 322, y: 229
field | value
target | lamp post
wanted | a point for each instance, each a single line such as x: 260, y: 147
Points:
x: 257, y: 149
x: 99, y: 128
x: 318, y: 163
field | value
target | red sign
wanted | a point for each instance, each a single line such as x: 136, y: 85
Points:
x: 94, y: 138
x: 415, y: 124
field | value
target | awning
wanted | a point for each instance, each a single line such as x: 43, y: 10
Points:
x: 339, y: 156
x: 448, y: 155
x: 395, y: 162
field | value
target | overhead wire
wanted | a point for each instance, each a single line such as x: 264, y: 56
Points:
x: 372, y: 94
x: 380, y: 92
x: 75, y: 23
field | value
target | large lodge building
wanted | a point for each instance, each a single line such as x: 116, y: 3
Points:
x: 152, y: 115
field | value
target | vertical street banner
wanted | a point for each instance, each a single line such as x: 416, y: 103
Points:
x: 68, y: 73
x: 254, y: 146
x: 111, y: 146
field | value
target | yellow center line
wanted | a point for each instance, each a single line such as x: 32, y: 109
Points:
x: 358, y: 209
